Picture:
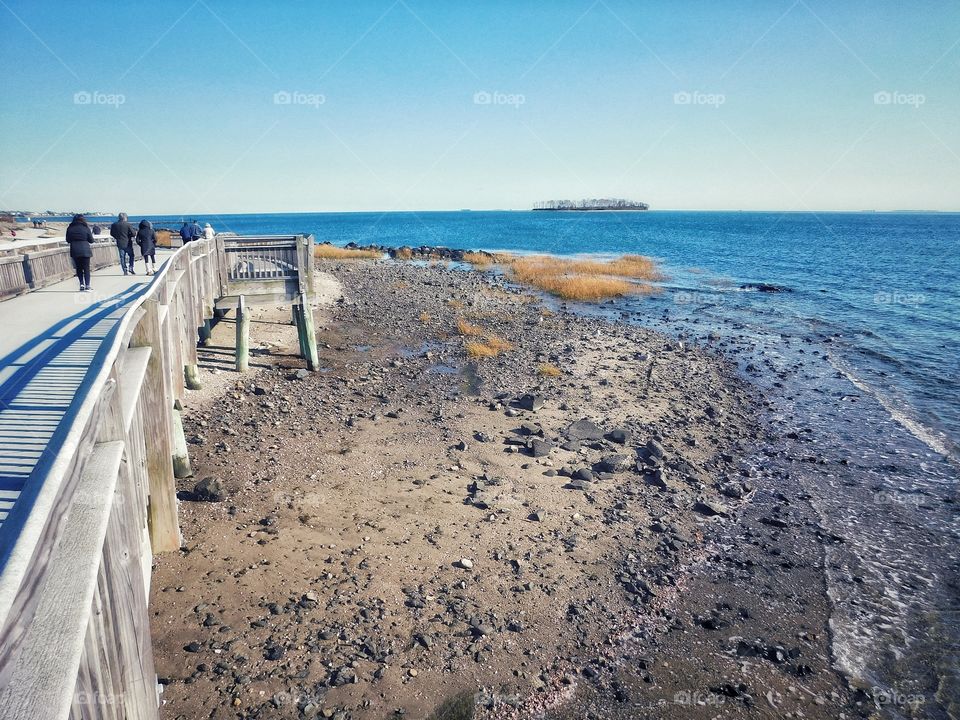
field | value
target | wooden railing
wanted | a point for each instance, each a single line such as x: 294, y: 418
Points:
x: 74, y: 627
x: 78, y: 543
x: 41, y: 265
x: 264, y: 267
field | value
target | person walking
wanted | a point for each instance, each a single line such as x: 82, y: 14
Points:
x: 186, y: 234
x: 147, y: 240
x: 123, y: 233
x: 208, y: 232
x: 79, y: 238
x: 196, y: 232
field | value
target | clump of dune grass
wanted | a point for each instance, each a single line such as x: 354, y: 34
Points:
x: 498, y: 344
x: 478, y: 260
x: 455, y: 304
x: 326, y: 251
x: 484, y: 260
x: 403, y: 253
x: 425, y: 317
x: 467, y: 328
x: 573, y: 279
x: 549, y: 370
x: 478, y: 349
x: 489, y: 347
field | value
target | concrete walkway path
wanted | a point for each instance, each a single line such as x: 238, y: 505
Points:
x: 50, y: 341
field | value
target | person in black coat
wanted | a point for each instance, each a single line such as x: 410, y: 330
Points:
x: 147, y: 240
x: 79, y: 238
x: 123, y: 233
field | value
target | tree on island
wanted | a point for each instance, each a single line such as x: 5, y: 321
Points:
x: 591, y: 204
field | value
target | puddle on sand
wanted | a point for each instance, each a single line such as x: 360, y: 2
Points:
x: 470, y: 380
x: 422, y: 349
x: 443, y: 369
x: 363, y: 348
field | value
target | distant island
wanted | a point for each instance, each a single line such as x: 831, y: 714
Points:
x: 590, y: 205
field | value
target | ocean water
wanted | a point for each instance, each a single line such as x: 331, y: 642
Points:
x: 859, y: 356
x: 882, y: 288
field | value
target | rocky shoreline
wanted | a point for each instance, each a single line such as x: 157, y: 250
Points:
x: 584, y: 525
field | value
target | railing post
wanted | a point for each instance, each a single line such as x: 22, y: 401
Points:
x: 243, y: 335
x: 158, y: 434
x: 308, y: 334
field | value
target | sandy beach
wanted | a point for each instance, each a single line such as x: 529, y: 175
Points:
x: 582, y: 525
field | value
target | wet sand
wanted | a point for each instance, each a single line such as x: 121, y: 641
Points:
x: 412, y: 532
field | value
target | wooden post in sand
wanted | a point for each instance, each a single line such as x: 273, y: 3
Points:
x: 191, y: 376
x: 181, y: 458
x: 298, y: 323
x: 308, y: 334
x: 243, y: 335
x: 205, y: 331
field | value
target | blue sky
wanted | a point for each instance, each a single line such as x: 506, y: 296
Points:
x: 200, y: 106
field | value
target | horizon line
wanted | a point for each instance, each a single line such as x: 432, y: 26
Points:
x: 212, y: 213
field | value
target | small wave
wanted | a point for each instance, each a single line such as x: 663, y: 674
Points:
x: 929, y: 437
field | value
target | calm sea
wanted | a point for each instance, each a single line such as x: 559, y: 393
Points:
x: 859, y: 356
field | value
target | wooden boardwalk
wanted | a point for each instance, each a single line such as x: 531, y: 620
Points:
x: 90, y: 444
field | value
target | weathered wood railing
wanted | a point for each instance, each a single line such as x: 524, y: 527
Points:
x: 40, y: 265
x: 78, y: 543
x: 268, y: 269
x: 74, y: 628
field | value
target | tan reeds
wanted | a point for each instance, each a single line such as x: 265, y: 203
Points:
x: 326, y: 251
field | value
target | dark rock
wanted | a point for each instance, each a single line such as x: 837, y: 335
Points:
x: 655, y: 450
x: 274, y: 652
x: 584, y: 430
x: 620, y: 436
x: 657, y: 478
x: 710, y: 508
x: 530, y: 402
x: 614, y: 463
x: 209, y: 490
x: 540, y: 448
x: 774, y: 522
x: 343, y: 676
x: 585, y: 474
